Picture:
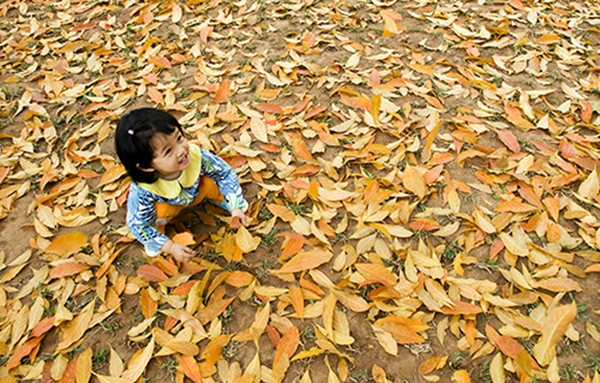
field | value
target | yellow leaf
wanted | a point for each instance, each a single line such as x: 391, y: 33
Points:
x: 67, y: 244
x: 414, y: 182
x: 259, y: 129
x: 83, y: 368
x: 386, y: 340
x: 554, y: 327
x: 115, y: 364
x: 77, y: 327
x: 553, y: 371
x: 590, y: 187
x: 483, y: 222
x: 111, y: 175
x: 513, y: 245
x: 138, y: 362
x: 245, y: 241
x: 434, y: 363
x: 111, y: 379
x: 282, y: 212
x: 497, y: 369
x: 461, y: 376
x: 404, y: 330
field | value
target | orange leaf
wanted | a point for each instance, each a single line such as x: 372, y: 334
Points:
x: 151, y: 273
x: 305, y: 261
x: 297, y: 300
x: 514, y: 115
x: 288, y: 344
x: 514, y: 205
x: 424, y: 224
x: 306, y: 170
x: 212, y: 352
x: 268, y: 107
x: 156, y: 96
x: 373, y: 272
x: 42, y: 327
x: 83, y: 27
x: 186, y: 238
x: 204, y: 33
x: 462, y: 308
x: 167, y: 265
x: 223, y: 92
x: 77, y: 327
x: 434, y: 101
x: 461, y: 376
x: 291, y: 246
x: 67, y: 244
x: 517, y: 4
x: 189, y: 366
x: 67, y: 269
x: 301, y: 151
x: 403, y: 330
x: 22, y: 351
x: 424, y: 69
x: 148, y: 305
x: 111, y: 175
x: 548, y: 39
x: 586, y: 111
x: 559, y: 284
x: 507, y: 345
x: 106, y: 265
x: 239, y: 279
x: 3, y: 173
x: 509, y: 140
x: 282, y: 212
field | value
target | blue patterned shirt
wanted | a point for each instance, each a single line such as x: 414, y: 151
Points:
x: 141, y: 211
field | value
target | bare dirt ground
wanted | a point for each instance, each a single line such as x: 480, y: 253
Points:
x: 423, y: 180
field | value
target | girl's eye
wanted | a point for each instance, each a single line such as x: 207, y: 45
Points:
x: 180, y: 138
x: 167, y: 152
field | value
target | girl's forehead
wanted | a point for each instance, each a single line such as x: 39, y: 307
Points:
x: 160, y: 139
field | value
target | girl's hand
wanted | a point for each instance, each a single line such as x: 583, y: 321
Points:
x: 179, y: 252
x: 238, y: 218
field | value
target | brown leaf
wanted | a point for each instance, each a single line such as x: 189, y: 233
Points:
x: 151, y: 273
x: 66, y: 269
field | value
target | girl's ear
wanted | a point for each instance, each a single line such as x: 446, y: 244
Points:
x: 146, y: 170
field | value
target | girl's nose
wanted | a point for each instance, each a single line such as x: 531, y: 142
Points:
x: 182, y: 151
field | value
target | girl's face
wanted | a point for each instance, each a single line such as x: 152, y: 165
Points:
x: 171, y: 154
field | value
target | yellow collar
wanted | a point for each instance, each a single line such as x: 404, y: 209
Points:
x: 172, y: 188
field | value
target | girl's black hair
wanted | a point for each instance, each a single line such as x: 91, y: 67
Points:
x: 133, y: 140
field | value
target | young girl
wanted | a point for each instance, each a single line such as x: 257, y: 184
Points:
x: 168, y: 174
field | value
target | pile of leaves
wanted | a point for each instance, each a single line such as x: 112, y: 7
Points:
x: 423, y: 179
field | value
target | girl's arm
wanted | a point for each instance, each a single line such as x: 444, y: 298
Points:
x: 141, y: 220
x: 226, y: 179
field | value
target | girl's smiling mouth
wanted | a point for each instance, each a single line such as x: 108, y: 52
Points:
x: 185, y: 160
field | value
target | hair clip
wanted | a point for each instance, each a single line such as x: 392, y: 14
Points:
x: 130, y: 131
